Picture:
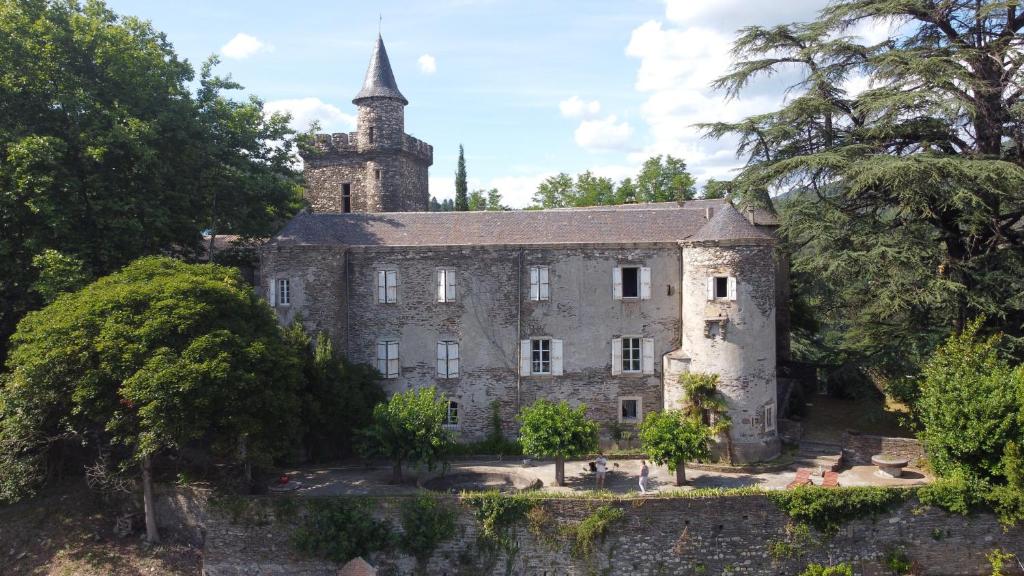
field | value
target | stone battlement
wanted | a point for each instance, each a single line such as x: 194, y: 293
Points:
x: 342, y: 142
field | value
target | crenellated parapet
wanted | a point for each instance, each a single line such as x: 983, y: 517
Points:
x: 348, y: 142
x: 418, y: 148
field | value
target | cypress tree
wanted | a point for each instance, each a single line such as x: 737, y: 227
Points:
x: 461, y: 188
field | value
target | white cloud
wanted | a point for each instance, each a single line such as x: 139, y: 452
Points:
x: 306, y: 110
x: 574, y: 107
x: 603, y: 134
x: 428, y: 64
x: 517, y: 191
x: 243, y: 46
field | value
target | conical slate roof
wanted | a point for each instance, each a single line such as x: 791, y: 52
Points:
x: 380, y: 80
x: 728, y: 224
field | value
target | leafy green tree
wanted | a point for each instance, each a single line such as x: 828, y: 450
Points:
x: 970, y: 405
x: 106, y: 155
x: 156, y: 357
x: 705, y: 403
x: 332, y: 386
x: 494, y: 201
x: 556, y: 431
x: 716, y: 189
x: 626, y: 193
x: 664, y: 180
x: 916, y: 179
x: 671, y: 438
x: 477, y: 201
x: 461, y: 186
x: 555, y: 192
x: 57, y: 273
x: 409, y: 427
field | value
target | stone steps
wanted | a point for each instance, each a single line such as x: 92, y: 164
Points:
x: 815, y: 455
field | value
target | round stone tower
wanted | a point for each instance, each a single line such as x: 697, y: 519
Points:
x: 728, y: 293
x: 380, y: 123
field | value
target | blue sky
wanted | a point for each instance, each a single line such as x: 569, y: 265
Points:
x: 530, y: 88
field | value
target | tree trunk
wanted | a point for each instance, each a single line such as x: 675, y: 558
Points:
x: 152, y: 535
x: 243, y: 455
x: 396, y: 472
x: 560, y: 471
x: 681, y: 473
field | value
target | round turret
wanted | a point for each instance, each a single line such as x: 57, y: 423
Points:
x: 729, y: 326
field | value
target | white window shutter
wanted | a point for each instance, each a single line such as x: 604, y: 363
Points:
x: 453, y: 359
x: 534, y: 283
x: 272, y: 293
x: 556, y: 357
x: 617, y: 283
x: 392, y: 286
x: 524, y: 357
x: 711, y: 288
x: 449, y: 276
x: 382, y: 358
x: 616, y: 356
x: 382, y: 286
x: 440, y: 285
x: 544, y: 289
x: 392, y: 359
x: 442, y: 359
x: 645, y: 283
x: 647, y: 357
x: 732, y: 287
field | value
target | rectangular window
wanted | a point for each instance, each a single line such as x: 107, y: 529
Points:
x: 631, y: 355
x: 372, y: 135
x: 629, y: 409
x: 630, y: 282
x: 284, y: 292
x: 539, y: 288
x: 721, y: 288
x: 447, y: 359
x: 387, y: 358
x: 387, y: 286
x: 540, y: 356
x: 451, y: 420
x: 376, y: 174
x: 769, y: 418
x: 346, y: 197
x: 446, y: 285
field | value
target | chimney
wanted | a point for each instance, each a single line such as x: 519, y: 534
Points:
x: 709, y: 212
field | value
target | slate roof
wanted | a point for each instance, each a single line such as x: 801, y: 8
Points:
x: 727, y: 223
x: 642, y: 223
x: 380, y: 80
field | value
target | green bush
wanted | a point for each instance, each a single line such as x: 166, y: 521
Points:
x: 497, y: 513
x: 340, y: 529
x: 427, y: 521
x: 958, y: 493
x: 499, y: 446
x: 828, y: 508
x: 842, y: 569
x: 594, y: 526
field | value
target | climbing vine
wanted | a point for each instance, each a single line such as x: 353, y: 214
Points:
x: 827, y: 509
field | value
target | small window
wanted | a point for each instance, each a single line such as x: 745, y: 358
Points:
x: 630, y: 282
x: 540, y: 356
x: 376, y: 174
x: 387, y: 358
x: 629, y: 409
x: 372, y: 135
x: 769, y: 418
x: 447, y: 359
x: 346, y: 197
x: 715, y: 330
x: 539, y: 288
x: 451, y: 420
x: 707, y: 417
x: 446, y: 285
x: 387, y: 286
x: 631, y: 355
x: 284, y: 292
x: 721, y: 287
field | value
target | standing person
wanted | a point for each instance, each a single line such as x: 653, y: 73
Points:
x: 644, y: 473
x: 600, y: 469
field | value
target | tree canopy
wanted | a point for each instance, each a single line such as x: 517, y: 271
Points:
x: 905, y: 205
x: 672, y: 437
x: 106, y: 155
x: 557, y: 430
x: 661, y: 179
x: 409, y: 428
x: 461, y: 185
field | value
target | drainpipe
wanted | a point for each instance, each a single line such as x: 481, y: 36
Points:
x: 519, y: 331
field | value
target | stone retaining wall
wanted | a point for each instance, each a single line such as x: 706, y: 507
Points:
x: 715, y: 535
x: 859, y: 448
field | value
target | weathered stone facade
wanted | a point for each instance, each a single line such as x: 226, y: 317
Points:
x: 859, y: 448
x: 729, y: 535
x: 377, y: 168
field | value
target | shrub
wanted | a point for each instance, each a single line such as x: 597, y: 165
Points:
x: 591, y: 528
x: 496, y: 513
x: 828, y: 508
x: 958, y: 493
x: 426, y: 522
x: 340, y: 529
x: 842, y: 569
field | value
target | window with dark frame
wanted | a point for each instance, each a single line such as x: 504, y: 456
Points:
x: 631, y: 282
x: 376, y: 173
x: 346, y: 197
x: 630, y: 410
x: 452, y: 418
x: 540, y: 355
x: 631, y: 355
x: 721, y: 287
x: 372, y: 135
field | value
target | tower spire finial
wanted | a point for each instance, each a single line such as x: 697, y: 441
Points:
x: 380, y: 22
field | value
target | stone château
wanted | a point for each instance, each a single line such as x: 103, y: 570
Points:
x: 605, y: 305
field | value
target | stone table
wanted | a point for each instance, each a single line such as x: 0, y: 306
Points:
x: 889, y: 466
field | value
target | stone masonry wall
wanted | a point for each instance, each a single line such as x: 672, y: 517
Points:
x: 492, y: 293
x: 859, y: 448
x: 724, y: 535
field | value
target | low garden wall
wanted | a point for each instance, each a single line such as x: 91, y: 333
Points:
x: 741, y: 534
x: 859, y: 448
